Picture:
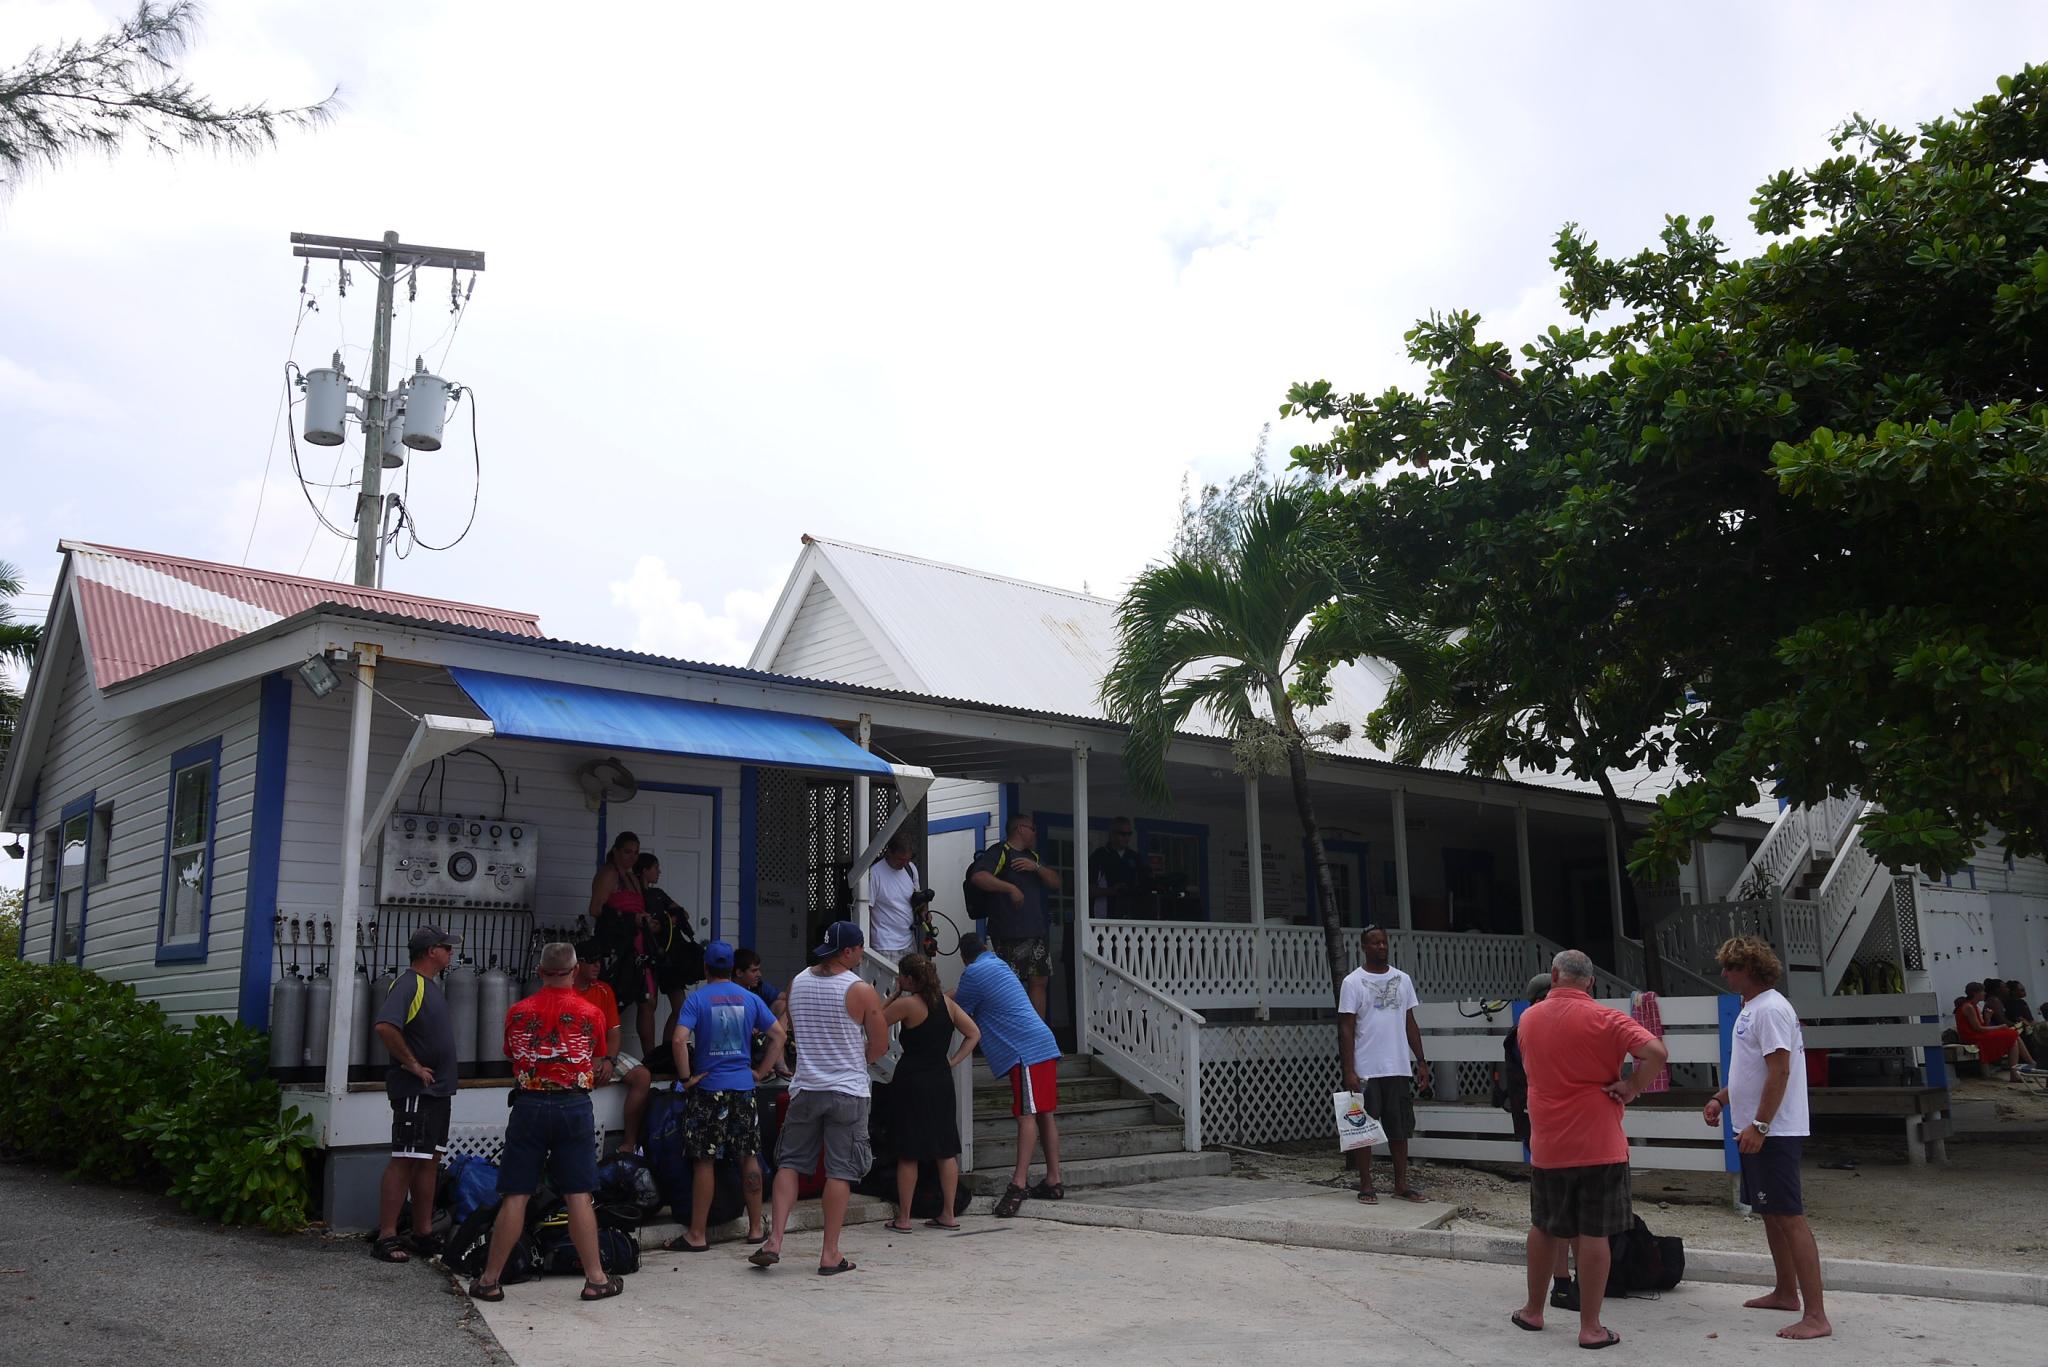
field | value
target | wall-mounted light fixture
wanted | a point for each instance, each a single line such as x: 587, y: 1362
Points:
x: 319, y: 676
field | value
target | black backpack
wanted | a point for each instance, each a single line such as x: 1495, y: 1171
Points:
x: 1644, y: 1262
x: 978, y: 901
x: 467, y: 1246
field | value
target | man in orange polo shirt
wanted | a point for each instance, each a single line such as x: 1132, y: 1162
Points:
x: 614, y: 1066
x: 1572, y: 1050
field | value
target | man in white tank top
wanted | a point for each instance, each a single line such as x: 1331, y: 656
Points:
x: 837, y: 1021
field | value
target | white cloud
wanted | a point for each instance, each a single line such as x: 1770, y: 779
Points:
x: 668, y: 622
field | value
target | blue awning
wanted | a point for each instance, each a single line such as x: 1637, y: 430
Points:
x: 578, y: 714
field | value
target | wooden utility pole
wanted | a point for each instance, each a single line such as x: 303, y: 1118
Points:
x: 386, y: 258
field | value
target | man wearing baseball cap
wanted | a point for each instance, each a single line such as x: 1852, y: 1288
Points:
x: 415, y: 1026
x: 837, y: 1020
x: 713, y: 1047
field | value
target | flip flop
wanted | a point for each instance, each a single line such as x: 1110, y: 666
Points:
x: 761, y: 1257
x: 900, y: 1229
x: 938, y: 1224
x: 1413, y: 1195
x: 844, y: 1266
x: 760, y: 1238
x: 681, y: 1244
x: 1367, y: 1198
x: 1608, y: 1342
x: 1521, y: 1323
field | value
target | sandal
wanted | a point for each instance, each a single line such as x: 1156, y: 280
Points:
x: 426, y: 1245
x: 1367, y: 1198
x: 1413, y: 1195
x: 900, y: 1229
x: 481, y: 1290
x: 601, y: 1291
x: 1012, y: 1202
x: 843, y: 1265
x: 681, y: 1244
x: 1049, y: 1191
x: 941, y: 1224
x: 390, y: 1250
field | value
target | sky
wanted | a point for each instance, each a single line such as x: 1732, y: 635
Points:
x: 980, y: 283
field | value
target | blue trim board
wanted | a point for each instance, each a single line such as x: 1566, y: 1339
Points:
x: 206, y: 752
x: 750, y: 817
x: 1731, y: 1008
x: 28, y: 876
x: 1937, y: 1060
x: 266, y: 845
x: 70, y: 810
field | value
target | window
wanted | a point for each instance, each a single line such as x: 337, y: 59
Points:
x: 188, y: 853
x: 46, y: 865
x: 74, y: 850
x: 102, y: 841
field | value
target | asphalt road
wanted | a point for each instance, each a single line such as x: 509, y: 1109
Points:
x: 93, y: 1274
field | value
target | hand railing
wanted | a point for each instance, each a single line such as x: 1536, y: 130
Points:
x: 1146, y: 1037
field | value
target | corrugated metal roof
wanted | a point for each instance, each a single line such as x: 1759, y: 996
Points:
x: 987, y: 638
x: 141, y: 610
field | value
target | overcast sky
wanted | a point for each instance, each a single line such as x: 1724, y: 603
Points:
x: 978, y: 282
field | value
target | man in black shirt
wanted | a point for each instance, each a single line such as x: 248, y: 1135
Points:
x: 1117, y: 875
x: 1015, y: 884
x: 415, y: 1025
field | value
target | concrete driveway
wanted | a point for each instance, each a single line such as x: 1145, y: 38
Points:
x: 1029, y: 1291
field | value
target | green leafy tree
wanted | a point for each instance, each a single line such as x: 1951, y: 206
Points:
x: 1238, y: 637
x: 1779, y: 520
x: 12, y: 902
x: 96, y: 94
x: 18, y: 644
x: 1211, y: 518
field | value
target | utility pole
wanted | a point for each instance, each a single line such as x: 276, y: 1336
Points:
x: 386, y: 257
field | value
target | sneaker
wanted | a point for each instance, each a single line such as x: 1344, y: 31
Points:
x: 1564, y: 1297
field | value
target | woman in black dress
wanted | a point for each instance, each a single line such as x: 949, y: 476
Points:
x: 922, y: 1119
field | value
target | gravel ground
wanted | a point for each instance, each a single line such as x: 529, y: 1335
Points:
x: 92, y: 1274
x: 1883, y: 1209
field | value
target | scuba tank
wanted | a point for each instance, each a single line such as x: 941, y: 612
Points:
x: 460, y: 985
x: 319, y: 998
x: 365, y: 1023
x: 288, y: 1021
x: 386, y: 984
x: 494, y: 1000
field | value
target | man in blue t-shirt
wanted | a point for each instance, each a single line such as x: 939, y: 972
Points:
x: 714, y: 1034
x: 1017, y: 1045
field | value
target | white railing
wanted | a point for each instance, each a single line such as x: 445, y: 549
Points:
x: 1208, y: 966
x: 1843, y: 888
x: 1691, y: 937
x: 1679, y: 981
x: 1831, y: 822
x: 1786, y: 848
x: 1147, y: 1038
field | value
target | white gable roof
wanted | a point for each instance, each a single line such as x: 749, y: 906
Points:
x: 962, y: 633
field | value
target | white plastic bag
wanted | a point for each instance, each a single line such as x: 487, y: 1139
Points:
x: 1355, y: 1129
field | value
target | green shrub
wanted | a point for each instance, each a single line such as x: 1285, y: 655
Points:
x: 105, y: 1085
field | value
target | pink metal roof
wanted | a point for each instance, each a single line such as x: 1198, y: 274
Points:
x: 141, y: 611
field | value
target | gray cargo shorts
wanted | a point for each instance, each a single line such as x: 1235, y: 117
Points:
x: 834, y: 1122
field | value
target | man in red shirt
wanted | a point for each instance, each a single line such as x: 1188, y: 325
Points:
x: 554, y: 1039
x: 1572, y: 1050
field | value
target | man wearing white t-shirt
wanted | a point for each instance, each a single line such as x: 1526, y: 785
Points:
x: 1766, y: 1103
x: 1379, y: 1048
x: 892, y: 882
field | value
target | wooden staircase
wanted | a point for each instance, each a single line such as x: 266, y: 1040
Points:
x: 1111, y: 1134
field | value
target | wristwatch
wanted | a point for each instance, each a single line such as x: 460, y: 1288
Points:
x: 1761, y: 1128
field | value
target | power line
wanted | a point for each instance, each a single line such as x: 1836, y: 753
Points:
x: 291, y: 352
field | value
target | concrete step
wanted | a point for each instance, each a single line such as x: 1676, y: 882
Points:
x: 1072, y: 1067
x: 1107, y: 1172
x: 994, y: 1102
x: 1086, y: 1144
x: 1078, y: 1117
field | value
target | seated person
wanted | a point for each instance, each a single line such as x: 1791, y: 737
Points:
x: 1993, y: 1045
x: 1991, y: 1006
x: 748, y: 973
x: 614, y: 1066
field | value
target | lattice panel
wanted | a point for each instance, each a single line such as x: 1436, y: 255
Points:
x: 1906, y: 923
x: 779, y: 827
x: 1264, y: 1084
x: 488, y: 1141
x: 828, y: 844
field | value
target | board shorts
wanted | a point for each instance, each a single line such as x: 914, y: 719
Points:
x: 1586, y: 1202
x: 1770, y: 1176
x: 1028, y: 958
x: 1035, y: 1088
x: 1390, y: 1101
x: 419, y: 1125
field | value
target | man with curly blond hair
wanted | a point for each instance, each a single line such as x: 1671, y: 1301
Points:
x: 1766, y: 1104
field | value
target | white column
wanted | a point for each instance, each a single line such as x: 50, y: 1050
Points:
x: 1522, y: 866
x: 1700, y: 892
x: 1405, y: 906
x: 863, y: 802
x: 1614, y: 879
x: 1255, y: 875
x: 1083, y: 891
x: 342, y: 1008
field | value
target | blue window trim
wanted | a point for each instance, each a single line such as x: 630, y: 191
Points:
x: 750, y: 816
x: 1361, y: 850
x: 266, y: 846
x: 28, y: 877
x: 973, y: 821
x: 717, y: 796
x: 78, y: 806
x: 206, y: 752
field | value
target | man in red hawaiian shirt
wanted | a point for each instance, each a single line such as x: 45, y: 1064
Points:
x: 554, y: 1039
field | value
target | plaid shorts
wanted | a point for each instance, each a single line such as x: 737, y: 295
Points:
x: 1028, y: 958
x: 720, y: 1124
x: 1571, y: 1203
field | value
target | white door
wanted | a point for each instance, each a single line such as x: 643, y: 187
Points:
x: 949, y: 853
x: 677, y: 829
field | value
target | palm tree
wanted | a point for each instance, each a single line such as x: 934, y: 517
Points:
x: 1248, y: 636
x: 18, y: 643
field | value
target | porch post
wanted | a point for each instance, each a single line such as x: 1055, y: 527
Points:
x: 341, y: 1011
x: 1614, y: 880
x: 1700, y: 893
x: 1405, y: 906
x: 1255, y: 876
x: 1522, y: 866
x: 1084, y: 891
x: 863, y: 802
